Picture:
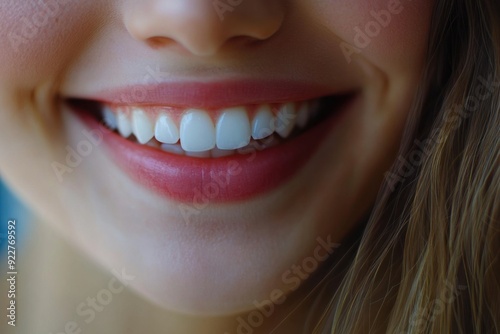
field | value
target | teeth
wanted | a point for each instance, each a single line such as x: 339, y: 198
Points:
x: 204, y: 154
x: 215, y: 153
x: 263, y: 123
x: 110, y: 118
x: 233, y: 129
x: 265, y: 143
x: 285, y: 120
x: 197, y: 131
x: 194, y: 133
x: 218, y: 153
x: 173, y: 148
x: 124, y: 126
x: 142, y: 126
x: 166, y: 131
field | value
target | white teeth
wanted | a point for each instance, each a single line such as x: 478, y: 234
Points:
x: 263, y: 123
x: 142, y: 126
x: 197, y: 131
x: 285, y: 120
x: 233, y: 129
x: 166, y: 131
x: 303, y: 115
x: 198, y: 136
x: 110, y: 118
x: 214, y: 153
x: 124, y: 126
x: 153, y: 143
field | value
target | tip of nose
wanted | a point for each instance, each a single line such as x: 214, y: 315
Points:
x: 198, y: 31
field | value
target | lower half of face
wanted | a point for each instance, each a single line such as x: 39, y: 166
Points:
x: 216, y: 164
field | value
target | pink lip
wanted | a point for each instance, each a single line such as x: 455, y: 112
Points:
x: 213, y: 95
x: 223, y: 180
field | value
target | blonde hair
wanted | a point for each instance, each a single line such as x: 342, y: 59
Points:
x: 428, y: 260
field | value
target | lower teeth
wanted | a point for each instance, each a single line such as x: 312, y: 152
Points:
x: 255, y: 145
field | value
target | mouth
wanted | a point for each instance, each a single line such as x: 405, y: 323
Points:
x: 211, y: 152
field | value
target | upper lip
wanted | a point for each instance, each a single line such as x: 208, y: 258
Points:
x: 212, y: 95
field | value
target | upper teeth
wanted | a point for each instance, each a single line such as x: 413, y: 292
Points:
x: 198, y: 132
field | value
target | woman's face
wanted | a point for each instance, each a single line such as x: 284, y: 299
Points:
x: 204, y: 225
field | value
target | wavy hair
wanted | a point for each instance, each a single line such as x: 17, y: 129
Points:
x: 428, y: 260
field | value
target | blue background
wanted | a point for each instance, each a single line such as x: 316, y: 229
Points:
x: 11, y: 208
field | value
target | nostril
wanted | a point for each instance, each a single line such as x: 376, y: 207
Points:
x: 193, y: 26
x: 241, y: 41
x: 159, y: 42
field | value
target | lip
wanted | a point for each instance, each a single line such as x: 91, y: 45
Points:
x: 215, y: 94
x: 200, y: 181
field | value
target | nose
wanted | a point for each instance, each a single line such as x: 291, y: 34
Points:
x: 203, y: 27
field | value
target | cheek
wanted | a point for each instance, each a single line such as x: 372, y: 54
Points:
x: 38, y: 38
x: 388, y: 33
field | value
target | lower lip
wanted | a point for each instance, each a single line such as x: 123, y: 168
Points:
x: 223, y: 180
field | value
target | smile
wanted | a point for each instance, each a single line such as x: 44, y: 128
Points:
x: 195, y: 132
x: 212, y: 153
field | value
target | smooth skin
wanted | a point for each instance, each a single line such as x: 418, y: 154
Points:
x: 228, y: 255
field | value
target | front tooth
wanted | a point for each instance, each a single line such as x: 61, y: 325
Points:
x: 263, y: 123
x: 124, y: 126
x: 166, y: 131
x: 233, y: 129
x: 303, y: 115
x: 197, y: 131
x: 109, y: 118
x: 142, y: 126
x: 285, y: 120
